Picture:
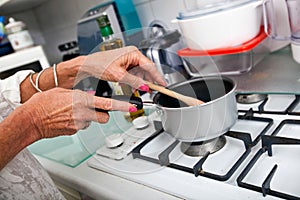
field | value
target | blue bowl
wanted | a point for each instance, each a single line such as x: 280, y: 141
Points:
x: 5, y: 49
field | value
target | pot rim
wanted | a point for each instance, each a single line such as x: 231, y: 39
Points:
x: 194, y: 80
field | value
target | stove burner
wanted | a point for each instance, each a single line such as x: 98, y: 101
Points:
x: 201, y: 148
x: 250, y: 98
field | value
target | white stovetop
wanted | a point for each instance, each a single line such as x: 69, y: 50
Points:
x: 102, y: 185
x: 135, y: 178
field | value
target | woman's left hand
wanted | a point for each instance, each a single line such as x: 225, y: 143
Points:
x: 62, y: 112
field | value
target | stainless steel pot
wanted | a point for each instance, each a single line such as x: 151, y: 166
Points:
x: 203, y: 122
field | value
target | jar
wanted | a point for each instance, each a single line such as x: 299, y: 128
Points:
x: 18, y: 36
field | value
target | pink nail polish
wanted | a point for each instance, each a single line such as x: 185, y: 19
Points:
x: 144, y: 88
x: 132, y: 109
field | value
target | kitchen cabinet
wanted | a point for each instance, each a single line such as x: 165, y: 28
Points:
x: 2, y: 2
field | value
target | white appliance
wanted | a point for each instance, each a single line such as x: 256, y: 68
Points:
x: 33, y: 58
x: 259, y: 159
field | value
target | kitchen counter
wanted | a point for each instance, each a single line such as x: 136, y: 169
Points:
x: 276, y: 73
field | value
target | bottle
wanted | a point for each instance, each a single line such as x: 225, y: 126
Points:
x: 18, y: 36
x: 109, y: 43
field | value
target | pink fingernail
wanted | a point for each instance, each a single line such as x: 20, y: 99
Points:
x: 132, y: 109
x: 144, y: 88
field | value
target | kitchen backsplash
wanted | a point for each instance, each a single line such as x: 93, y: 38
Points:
x: 162, y: 10
x: 54, y: 22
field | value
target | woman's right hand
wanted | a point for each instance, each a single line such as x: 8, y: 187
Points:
x: 124, y: 65
x: 63, y: 112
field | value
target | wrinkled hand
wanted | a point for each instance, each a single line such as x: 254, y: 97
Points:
x: 125, y: 65
x: 63, y: 112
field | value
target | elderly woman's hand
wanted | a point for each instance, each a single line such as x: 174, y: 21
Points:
x: 125, y: 65
x: 63, y: 112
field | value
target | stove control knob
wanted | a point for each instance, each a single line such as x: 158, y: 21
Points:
x: 114, y: 140
x: 141, y: 122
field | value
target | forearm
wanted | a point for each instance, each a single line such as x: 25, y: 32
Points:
x: 67, y: 75
x: 16, y: 132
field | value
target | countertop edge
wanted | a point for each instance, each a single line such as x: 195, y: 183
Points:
x: 83, y: 179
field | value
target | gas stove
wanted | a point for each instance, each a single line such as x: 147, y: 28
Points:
x: 258, y: 158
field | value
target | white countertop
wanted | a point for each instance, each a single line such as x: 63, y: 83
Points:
x: 98, y: 184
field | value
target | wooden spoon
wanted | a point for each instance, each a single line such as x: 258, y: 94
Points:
x: 190, y: 101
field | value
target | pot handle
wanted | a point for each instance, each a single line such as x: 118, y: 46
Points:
x: 158, y: 110
x: 265, y: 18
x: 131, y: 99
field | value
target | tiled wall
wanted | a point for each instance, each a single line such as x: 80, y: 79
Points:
x: 55, y: 22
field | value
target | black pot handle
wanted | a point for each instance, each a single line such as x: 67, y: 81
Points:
x: 131, y: 99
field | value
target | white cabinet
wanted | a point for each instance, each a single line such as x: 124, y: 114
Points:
x: 32, y: 58
x: 24, y: 57
x: 2, y: 2
x: 13, y: 6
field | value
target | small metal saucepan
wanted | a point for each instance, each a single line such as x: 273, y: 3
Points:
x: 203, y: 122
x: 196, y: 123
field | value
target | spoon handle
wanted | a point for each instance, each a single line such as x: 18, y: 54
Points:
x: 190, y: 101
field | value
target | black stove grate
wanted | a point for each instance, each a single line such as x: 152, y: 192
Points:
x: 267, y: 142
x: 197, y: 169
x: 289, y: 110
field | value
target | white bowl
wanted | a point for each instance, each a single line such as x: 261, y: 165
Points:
x: 225, y: 28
